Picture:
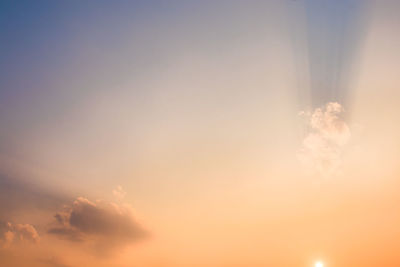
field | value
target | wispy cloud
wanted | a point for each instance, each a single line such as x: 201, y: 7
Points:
x: 119, y: 193
x: 53, y: 262
x: 325, y: 140
x: 19, y: 195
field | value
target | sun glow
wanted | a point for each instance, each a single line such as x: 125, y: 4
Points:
x: 319, y: 264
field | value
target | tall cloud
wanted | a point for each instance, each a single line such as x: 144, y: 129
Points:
x: 106, y: 225
x: 326, y: 138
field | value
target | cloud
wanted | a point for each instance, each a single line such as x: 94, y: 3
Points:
x: 119, y: 193
x: 6, y: 235
x: 106, y: 225
x: 26, y: 232
x: 10, y: 233
x: 325, y: 140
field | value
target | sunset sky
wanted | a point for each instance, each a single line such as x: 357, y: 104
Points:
x: 209, y: 133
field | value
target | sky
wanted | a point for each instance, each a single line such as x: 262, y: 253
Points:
x: 199, y: 133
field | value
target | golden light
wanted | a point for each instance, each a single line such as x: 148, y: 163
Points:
x: 319, y: 264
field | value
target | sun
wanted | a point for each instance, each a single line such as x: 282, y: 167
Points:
x: 319, y: 264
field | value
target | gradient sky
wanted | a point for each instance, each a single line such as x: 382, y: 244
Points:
x: 199, y: 133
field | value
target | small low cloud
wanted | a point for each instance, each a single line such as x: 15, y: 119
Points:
x: 106, y: 225
x: 325, y: 140
x: 119, y: 193
x: 11, y: 233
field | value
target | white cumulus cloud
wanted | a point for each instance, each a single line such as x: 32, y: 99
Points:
x: 325, y: 140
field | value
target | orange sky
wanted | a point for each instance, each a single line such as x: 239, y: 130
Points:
x: 145, y: 134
